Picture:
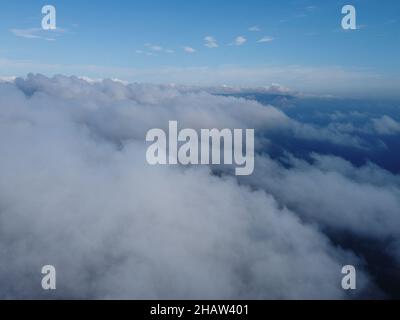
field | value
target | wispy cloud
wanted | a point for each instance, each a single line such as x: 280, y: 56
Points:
x: 38, y: 33
x: 311, y: 8
x: 239, y: 41
x: 147, y: 53
x: 153, y: 49
x: 26, y: 33
x: 266, y: 39
x: 210, y: 42
x: 189, y: 49
x: 254, y: 29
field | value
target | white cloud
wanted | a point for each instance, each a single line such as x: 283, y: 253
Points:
x: 189, y: 49
x: 38, y: 33
x: 266, y: 39
x: 7, y: 78
x: 254, y: 29
x: 239, y: 41
x: 156, y: 48
x: 344, y: 81
x: 27, y: 33
x: 210, y: 42
x: 138, y: 231
x: 363, y: 201
x: 386, y: 125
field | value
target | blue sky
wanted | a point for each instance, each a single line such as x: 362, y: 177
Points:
x: 146, y: 41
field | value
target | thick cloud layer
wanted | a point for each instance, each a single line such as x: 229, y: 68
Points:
x: 334, y: 193
x: 76, y: 192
